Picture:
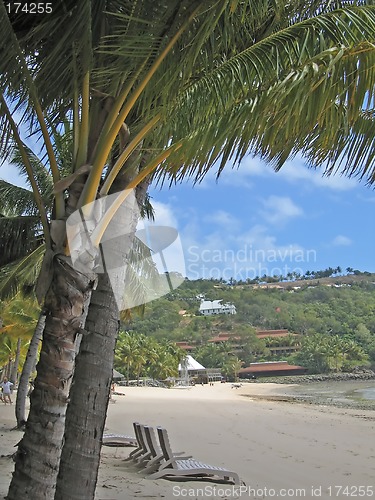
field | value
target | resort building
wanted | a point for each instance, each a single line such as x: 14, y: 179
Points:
x: 186, y: 346
x: 271, y: 369
x: 261, y: 334
x: 274, y: 341
x: 211, y: 307
x: 191, y: 367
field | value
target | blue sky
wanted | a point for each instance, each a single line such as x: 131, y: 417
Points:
x: 253, y: 221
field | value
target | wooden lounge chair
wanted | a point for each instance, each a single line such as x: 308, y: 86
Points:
x: 141, y: 450
x: 147, y: 452
x: 155, y: 452
x: 174, y: 466
x: 118, y: 440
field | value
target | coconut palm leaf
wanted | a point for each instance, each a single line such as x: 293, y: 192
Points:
x: 22, y: 274
x: 21, y: 312
x: 280, y: 92
x: 234, y: 62
x: 15, y: 200
x: 20, y: 223
x: 20, y: 318
x: 58, y: 39
x: 19, y: 236
x: 42, y: 175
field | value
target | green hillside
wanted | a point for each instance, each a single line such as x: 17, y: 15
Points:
x: 327, y: 313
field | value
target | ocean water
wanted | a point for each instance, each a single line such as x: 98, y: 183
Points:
x: 367, y: 393
x: 341, y: 393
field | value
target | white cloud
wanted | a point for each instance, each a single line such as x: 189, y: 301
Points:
x: 341, y: 240
x: 241, y: 254
x: 164, y: 215
x: 278, y: 209
x: 263, y: 243
x: 243, y: 175
x: 296, y: 172
x: 293, y: 171
x: 166, y: 238
x: 223, y: 219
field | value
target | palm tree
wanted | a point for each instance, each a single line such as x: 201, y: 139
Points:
x: 96, y: 354
x: 23, y: 249
x: 29, y: 367
x: 232, y: 367
x: 126, y: 352
x: 19, y: 318
x: 88, y: 402
x: 170, y: 88
x: 165, y: 362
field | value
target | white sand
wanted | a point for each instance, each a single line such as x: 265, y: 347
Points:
x: 288, y: 448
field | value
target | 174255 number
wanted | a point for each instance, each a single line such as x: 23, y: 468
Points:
x: 29, y: 8
x: 350, y: 491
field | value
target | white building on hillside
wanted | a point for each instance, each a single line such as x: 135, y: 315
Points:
x: 211, y: 307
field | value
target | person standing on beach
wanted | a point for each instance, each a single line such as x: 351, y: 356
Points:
x: 7, y: 388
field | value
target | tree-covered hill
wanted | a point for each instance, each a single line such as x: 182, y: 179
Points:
x: 343, y: 308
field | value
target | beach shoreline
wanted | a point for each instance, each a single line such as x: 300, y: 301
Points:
x: 346, y: 393
x: 270, y: 443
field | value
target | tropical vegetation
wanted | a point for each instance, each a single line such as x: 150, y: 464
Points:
x: 320, y: 318
x: 19, y: 319
x: 142, y: 356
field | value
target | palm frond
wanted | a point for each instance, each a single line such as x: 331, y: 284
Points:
x: 21, y: 275
x: 15, y: 200
x: 276, y: 94
x: 43, y: 177
x: 51, y: 44
x: 19, y: 236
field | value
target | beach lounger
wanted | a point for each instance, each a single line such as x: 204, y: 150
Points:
x: 155, y: 452
x: 118, y: 440
x: 141, y: 450
x: 147, y: 454
x: 175, y: 467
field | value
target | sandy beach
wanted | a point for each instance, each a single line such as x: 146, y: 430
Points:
x: 278, y: 448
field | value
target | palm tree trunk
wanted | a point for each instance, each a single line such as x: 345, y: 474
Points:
x: 8, y: 368
x: 27, y: 370
x: 38, y: 455
x: 127, y: 373
x: 93, y: 374
x: 89, y: 395
x: 14, y: 372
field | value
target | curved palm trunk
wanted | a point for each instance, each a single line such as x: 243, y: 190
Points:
x: 28, y: 368
x: 38, y: 455
x: 89, y: 395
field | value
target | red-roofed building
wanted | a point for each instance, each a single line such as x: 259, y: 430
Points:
x: 261, y: 334
x: 271, y: 369
x: 185, y: 345
x: 224, y: 337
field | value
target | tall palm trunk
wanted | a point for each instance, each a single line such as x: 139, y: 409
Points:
x: 93, y: 374
x: 89, y: 395
x: 38, y: 455
x: 27, y: 370
x: 14, y: 372
x: 8, y: 368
